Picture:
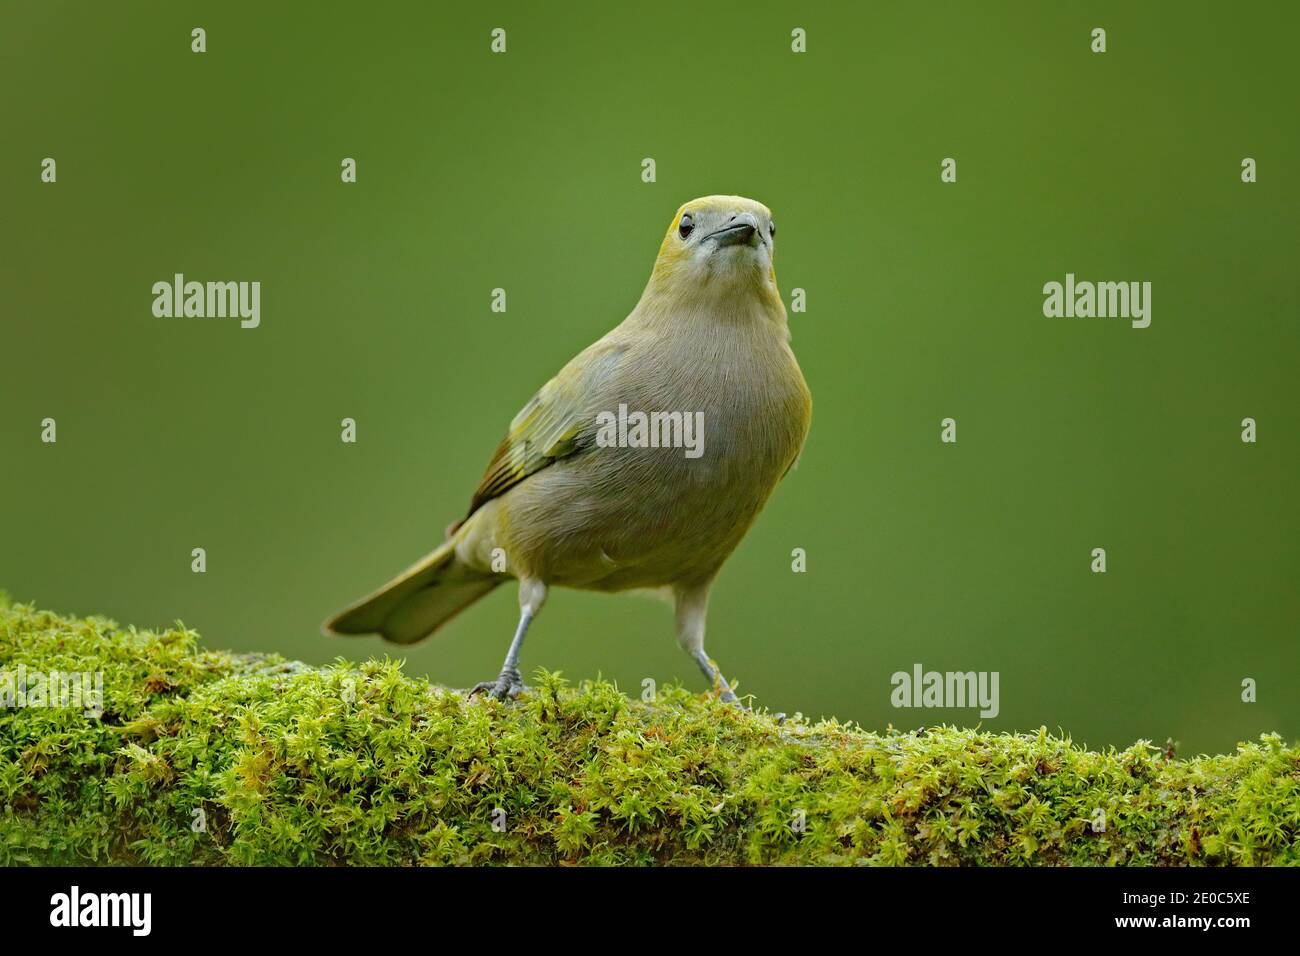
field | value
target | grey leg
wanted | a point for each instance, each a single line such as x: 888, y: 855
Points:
x: 510, y: 683
x: 692, y: 608
x: 714, y: 676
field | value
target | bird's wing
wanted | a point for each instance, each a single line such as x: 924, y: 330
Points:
x: 556, y: 423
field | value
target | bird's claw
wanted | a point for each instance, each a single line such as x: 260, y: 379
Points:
x: 729, y: 697
x: 508, y: 685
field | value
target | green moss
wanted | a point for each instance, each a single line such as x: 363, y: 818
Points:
x: 205, y: 757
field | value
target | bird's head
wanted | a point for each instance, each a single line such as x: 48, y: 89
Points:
x: 720, y: 244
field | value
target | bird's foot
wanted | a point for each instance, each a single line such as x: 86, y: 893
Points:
x: 728, y: 696
x: 720, y: 685
x: 509, y: 684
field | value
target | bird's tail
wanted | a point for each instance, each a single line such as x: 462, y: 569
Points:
x: 417, y: 602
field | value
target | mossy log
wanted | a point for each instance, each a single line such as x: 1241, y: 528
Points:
x: 207, y: 757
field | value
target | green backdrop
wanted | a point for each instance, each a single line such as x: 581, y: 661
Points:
x: 523, y: 171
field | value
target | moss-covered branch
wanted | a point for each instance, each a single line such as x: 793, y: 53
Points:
x: 205, y: 757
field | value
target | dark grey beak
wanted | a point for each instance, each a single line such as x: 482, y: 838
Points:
x: 740, y: 233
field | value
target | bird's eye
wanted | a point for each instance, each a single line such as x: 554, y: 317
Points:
x: 685, y: 226
x: 771, y: 229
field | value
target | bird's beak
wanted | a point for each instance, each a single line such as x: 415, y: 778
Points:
x: 741, y: 231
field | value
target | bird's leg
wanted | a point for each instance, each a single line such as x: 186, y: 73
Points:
x: 715, y: 678
x: 510, y: 683
x: 692, y: 608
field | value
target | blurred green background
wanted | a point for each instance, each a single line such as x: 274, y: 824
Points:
x: 523, y: 171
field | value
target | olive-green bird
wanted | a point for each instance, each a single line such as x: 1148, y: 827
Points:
x: 643, y: 463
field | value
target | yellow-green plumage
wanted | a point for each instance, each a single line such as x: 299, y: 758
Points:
x: 709, y: 335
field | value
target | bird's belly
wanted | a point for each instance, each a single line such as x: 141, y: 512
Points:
x: 618, y: 518
x: 625, y: 513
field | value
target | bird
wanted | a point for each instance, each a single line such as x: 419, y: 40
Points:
x: 642, y: 464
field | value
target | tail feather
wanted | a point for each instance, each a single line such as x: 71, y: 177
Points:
x: 417, y: 602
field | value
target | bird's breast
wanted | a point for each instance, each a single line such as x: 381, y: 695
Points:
x: 685, y: 447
